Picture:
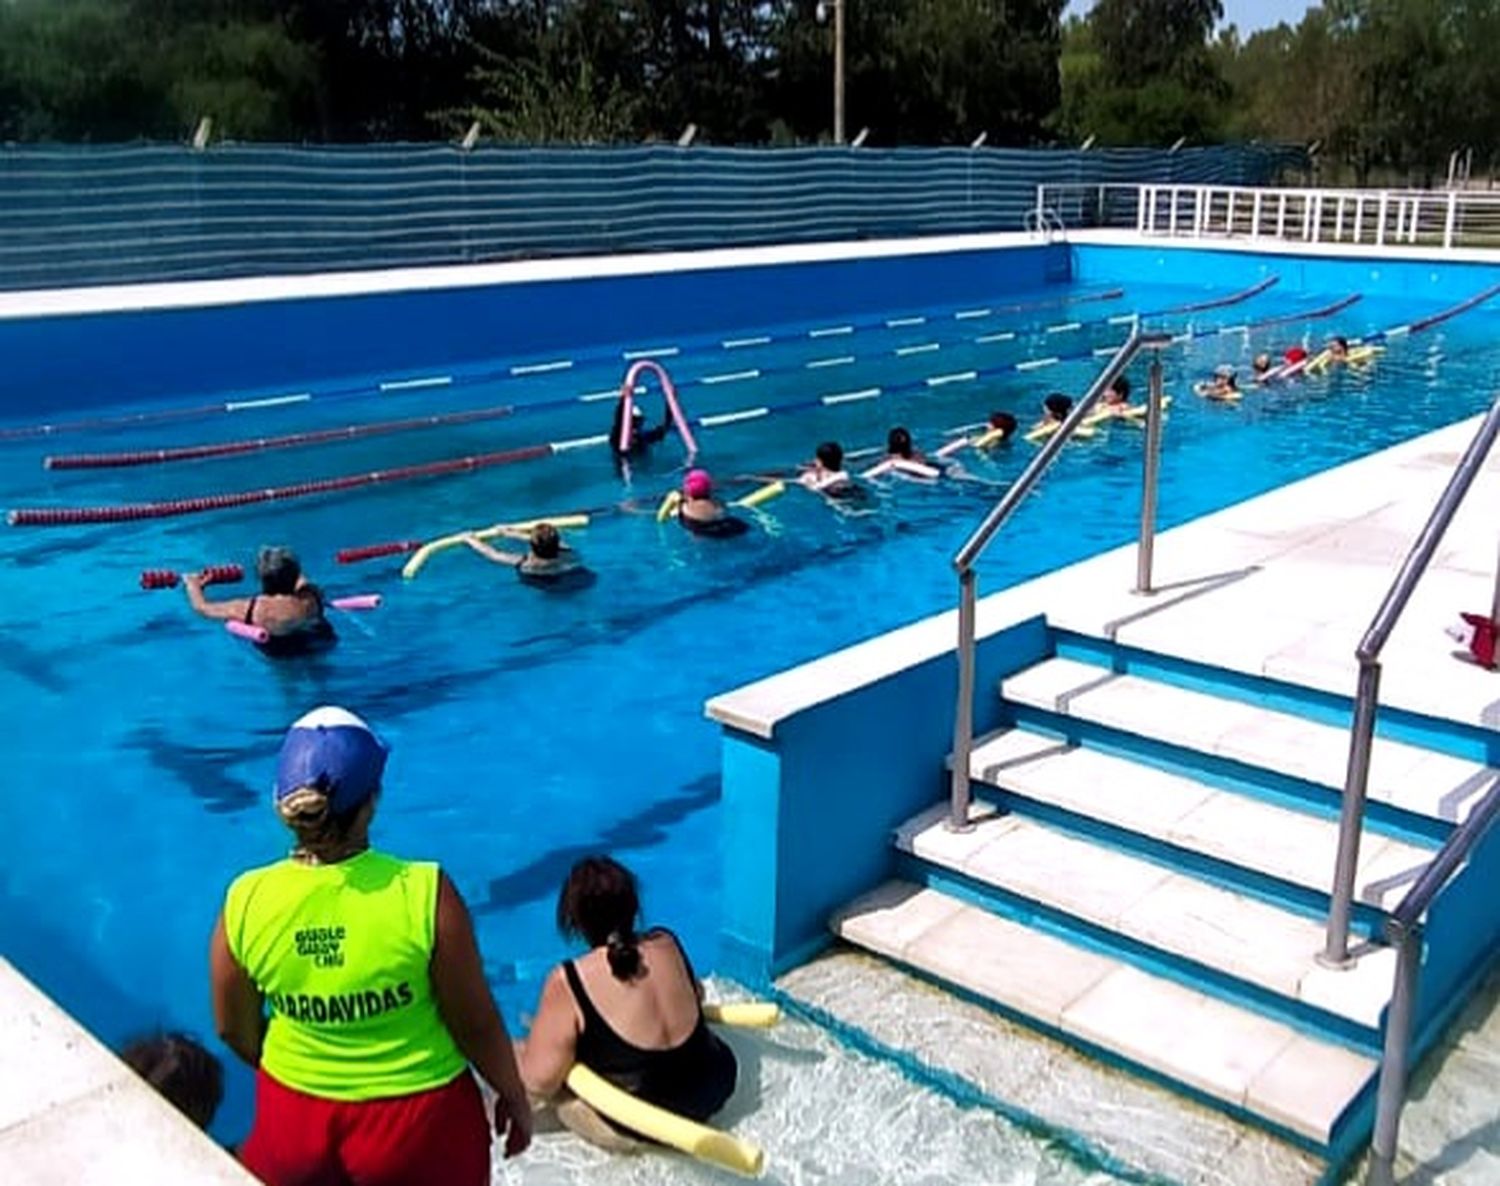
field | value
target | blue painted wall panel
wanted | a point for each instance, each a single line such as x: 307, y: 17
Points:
x: 1415, y: 279
x: 54, y: 363
x: 1463, y: 940
x: 846, y: 773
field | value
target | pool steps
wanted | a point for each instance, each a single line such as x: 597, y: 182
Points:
x: 1148, y: 874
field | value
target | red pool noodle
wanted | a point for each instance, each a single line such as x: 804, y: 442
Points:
x: 398, y: 547
x: 214, y: 574
x: 350, y: 432
x: 133, y: 512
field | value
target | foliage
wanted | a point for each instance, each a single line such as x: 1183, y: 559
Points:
x: 1379, y: 84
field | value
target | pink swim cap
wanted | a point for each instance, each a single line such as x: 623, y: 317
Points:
x: 698, y: 484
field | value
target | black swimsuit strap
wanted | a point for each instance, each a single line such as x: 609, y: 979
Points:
x: 250, y: 613
x: 580, y: 994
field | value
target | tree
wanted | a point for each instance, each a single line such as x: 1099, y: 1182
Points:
x: 1141, y: 72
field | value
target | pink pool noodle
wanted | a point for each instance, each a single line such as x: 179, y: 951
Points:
x: 669, y: 392
x: 256, y: 634
x: 357, y: 601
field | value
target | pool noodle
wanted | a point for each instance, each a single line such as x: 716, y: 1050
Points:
x: 255, y: 634
x: 670, y: 502
x: 1043, y: 431
x: 744, y: 1014
x: 357, y: 601
x: 698, y: 1140
x: 432, y: 547
x: 764, y: 494
x: 669, y: 393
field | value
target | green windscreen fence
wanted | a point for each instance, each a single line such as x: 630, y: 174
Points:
x: 90, y: 215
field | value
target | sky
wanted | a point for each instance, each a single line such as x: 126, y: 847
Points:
x: 1249, y: 15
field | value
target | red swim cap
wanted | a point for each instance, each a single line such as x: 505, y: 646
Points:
x: 1295, y: 355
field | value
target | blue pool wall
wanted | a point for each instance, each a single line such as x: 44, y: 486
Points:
x: 1438, y: 280
x: 809, y: 812
x: 1462, y: 941
x: 78, y: 362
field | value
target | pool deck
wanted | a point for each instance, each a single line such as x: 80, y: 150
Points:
x: 71, y: 1113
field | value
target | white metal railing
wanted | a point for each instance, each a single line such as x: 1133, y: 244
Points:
x: 1361, y: 217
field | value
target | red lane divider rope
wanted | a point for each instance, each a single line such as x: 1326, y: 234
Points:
x: 349, y: 432
x: 131, y: 512
x: 214, y: 574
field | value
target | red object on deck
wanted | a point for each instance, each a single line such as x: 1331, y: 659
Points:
x: 131, y: 512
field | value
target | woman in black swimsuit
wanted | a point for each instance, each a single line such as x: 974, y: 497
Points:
x: 289, y: 607
x: 630, y: 1009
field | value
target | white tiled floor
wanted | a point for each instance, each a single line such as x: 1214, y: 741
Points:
x: 1241, y: 936
x: 1209, y: 1044
x: 71, y: 1114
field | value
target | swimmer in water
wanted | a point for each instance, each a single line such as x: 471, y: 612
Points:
x: 1116, y: 399
x: 546, y: 560
x: 899, y: 447
x: 1338, y: 351
x: 641, y: 437
x: 1260, y: 368
x: 289, y: 607
x: 1223, y: 386
x: 1055, y: 409
x: 826, y: 475
x: 997, y: 430
x: 701, y: 513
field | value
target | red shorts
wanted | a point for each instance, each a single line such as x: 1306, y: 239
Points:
x: 433, y: 1138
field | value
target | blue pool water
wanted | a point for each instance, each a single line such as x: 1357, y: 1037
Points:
x: 529, y: 729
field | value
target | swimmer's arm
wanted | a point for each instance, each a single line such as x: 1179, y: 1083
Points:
x: 494, y: 554
x: 468, y: 1010
x: 549, y: 1052
x: 239, y: 1011
x: 220, y: 611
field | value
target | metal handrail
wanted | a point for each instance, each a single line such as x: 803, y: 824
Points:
x: 1366, y: 698
x: 973, y: 548
x: 1404, y: 930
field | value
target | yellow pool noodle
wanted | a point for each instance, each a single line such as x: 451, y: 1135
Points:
x: 1042, y: 431
x: 1363, y: 354
x: 430, y: 549
x: 764, y: 494
x: 698, y: 1140
x: 1319, y: 361
x: 669, y: 504
x: 745, y: 1014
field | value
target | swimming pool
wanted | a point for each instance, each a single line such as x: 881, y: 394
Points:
x: 529, y: 729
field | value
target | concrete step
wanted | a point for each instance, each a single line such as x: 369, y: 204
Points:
x: 1412, y: 779
x: 1265, y: 1068
x: 1192, y: 921
x: 1250, y: 833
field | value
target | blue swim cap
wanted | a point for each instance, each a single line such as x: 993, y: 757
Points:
x: 333, y: 750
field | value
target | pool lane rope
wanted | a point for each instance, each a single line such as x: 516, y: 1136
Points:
x: 350, y: 432
x: 132, y: 512
x: 511, y: 371
x: 631, y: 386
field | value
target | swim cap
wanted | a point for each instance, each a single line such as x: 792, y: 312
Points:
x: 1224, y: 371
x: 698, y: 484
x: 332, y: 749
x: 1295, y: 354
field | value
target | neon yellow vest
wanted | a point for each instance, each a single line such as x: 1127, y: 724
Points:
x: 341, y: 953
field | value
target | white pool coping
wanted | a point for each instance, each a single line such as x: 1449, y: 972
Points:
x: 1282, y: 585
x: 193, y: 294
x: 72, y: 1114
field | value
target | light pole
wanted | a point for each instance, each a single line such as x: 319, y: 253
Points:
x: 838, y: 61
